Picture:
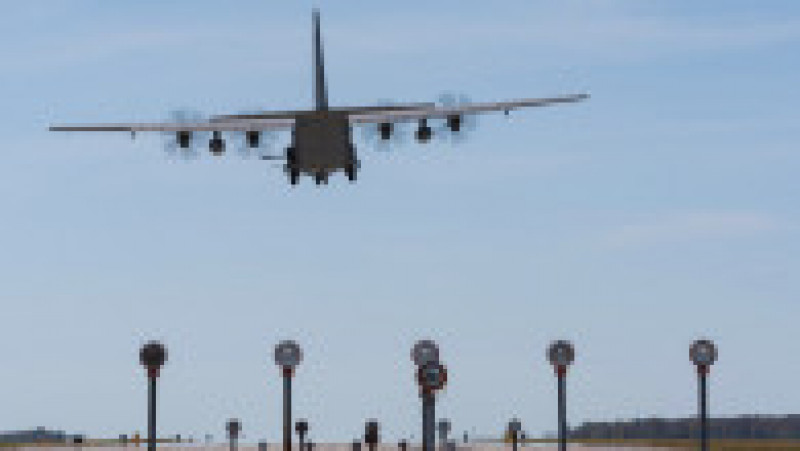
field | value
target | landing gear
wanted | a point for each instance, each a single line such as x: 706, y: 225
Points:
x: 291, y: 160
x: 351, y: 169
x: 351, y: 172
x: 321, y: 177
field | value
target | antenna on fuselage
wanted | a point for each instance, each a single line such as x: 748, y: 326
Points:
x: 320, y: 88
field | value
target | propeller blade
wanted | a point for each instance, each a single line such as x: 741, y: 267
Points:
x: 373, y: 134
x: 197, y: 140
x: 457, y: 128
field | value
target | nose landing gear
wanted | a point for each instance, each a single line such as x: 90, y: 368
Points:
x: 321, y: 177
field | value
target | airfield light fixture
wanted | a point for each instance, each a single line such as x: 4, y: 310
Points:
x: 432, y: 377
x: 444, y: 430
x: 301, y: 427
x: 153, y: 355
x: 371, y: 435
x: 233, y: 427
x: 287, y: 356
x: 703, y: 353
x: 561, y: 354
x: 514, y: 429
x: 424, y: 351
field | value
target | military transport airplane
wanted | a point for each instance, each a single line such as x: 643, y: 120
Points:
x: 322, y: 141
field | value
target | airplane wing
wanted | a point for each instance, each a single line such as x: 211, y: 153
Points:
x: 238, y: 126
x: 350, y: 110
x: 441, y: 112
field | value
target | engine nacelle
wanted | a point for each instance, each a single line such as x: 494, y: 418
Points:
x: 424, y: 131
x: 253, y: 139
x: 385, y: 129
x: 184, y: 139
x: 216, y: 145
x: 454, y: 123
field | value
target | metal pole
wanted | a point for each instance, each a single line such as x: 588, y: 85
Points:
x: 151, y: 415
x: 428, y: 421
x: 703, y: 400
x: 301, y: 441
x: 233, y: 443
x: 287, y: 410
x: 562, y: 410
x: 424, y: 422
x: 514, y: 440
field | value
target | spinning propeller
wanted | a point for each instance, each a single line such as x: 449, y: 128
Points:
x: 193, y: 143
x: 455, y: 128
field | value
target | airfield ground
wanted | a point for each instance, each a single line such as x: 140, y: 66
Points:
x: 587, y: 445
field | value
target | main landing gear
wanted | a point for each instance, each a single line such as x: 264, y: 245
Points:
x: 352, y: 167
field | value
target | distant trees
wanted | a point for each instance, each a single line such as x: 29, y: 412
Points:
x: 744, y: 427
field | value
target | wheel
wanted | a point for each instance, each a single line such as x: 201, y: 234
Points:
x: 294, y: 176
x: 319, y: 177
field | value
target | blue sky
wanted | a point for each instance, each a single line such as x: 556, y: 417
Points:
x: 662, y: 210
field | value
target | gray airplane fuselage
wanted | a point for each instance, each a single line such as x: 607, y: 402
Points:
x: 321, y: 143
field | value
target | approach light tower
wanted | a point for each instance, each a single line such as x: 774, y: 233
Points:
x: 431, y: 377
x: 301, y: 427
x: 703, y: 354
x: 234, y: 427
x: 371, y: 434
x: 561, y: 354
x: 514, y: 428
x: 287, y: 356
x: 152, y: 356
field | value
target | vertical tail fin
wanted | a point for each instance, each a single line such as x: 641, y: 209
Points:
x: 320, y: 88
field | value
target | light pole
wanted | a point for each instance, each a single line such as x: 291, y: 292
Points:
x: 152, y: 356
x: 561, y: 354
x: 371, y: 436
x: 703, y: 354
x: 424, y: 352
x: 514, y: 427
x: 233, y: 426
x: 287, y: 356
x: 301, y: 427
